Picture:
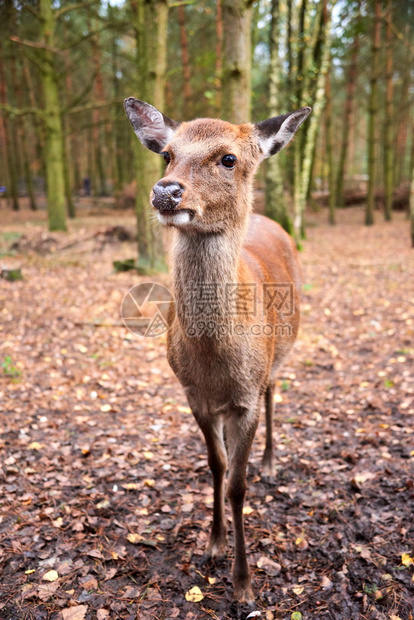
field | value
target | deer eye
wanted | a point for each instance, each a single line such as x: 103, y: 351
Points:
x: 229, y: 161
x: 167, y: 157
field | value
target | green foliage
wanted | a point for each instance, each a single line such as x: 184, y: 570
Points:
x: 9, y: 369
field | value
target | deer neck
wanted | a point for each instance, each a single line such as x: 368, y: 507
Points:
x: 203, y: 266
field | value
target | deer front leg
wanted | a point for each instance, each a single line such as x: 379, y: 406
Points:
x: 212, y: 430
x: 240, y: 429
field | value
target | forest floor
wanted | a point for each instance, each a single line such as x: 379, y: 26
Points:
x: 106, y: 496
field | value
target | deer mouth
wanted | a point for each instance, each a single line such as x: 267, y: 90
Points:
x: 175, y: 217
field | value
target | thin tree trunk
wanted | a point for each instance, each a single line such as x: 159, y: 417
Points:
x: 303, y: 172
x: 100, y: 182
x: 403, y: 120
x: 187, y: 91
x: 329, y: 147
x: 300, y: 53
x: 291, y: 85
x: 67, y: 155
x: 219, y: 53
x: 54, y: 138
x: 388, y: 130
x: 149, y: 20
x: 23, y: 141
x: 38, y: 124
x: 348, y: 111
x: 372, y: 115
x: 275, y: 202
x: 118, y: 163
x: 236, y: 74
x: 412, y: 192
x: 12, y: 191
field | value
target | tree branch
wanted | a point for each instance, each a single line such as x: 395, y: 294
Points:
x: 22, y: 111
x: 73, y: 7
x: 35, y: 44
x: 31, y: 9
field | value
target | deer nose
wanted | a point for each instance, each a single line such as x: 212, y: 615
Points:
x: 166, y: 197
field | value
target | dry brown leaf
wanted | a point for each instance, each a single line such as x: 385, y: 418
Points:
x: 74, y: 613
x: 269, y: 566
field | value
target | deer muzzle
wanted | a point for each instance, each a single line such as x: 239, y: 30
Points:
x: 166, y: 196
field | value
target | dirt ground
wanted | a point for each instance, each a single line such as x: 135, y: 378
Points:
x: 106, y: 495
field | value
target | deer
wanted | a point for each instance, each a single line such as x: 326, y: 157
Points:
x: 236, y: 289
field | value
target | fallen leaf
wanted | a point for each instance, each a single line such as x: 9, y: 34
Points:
x: 326, y: 582
x: 269, y: 566
x: 95, y: 553
x: 51, y: 575
x: 296, y: 616
x: 301, y: 543
x: 406, y: 559
x: 131, y: 592
x: 134, y: 538
x: 101, y: 614
x: 88, y: 582
x: 47, y: 590
x: 247, y: 510
x: 194, y: 595
x: 35, y: 445
x: 74, y: 613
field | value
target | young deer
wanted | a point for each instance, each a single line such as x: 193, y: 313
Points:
x: 236, y: 292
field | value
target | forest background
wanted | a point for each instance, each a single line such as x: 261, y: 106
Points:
x: 66, y: 67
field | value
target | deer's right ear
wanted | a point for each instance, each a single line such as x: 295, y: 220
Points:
x: 153, y: 129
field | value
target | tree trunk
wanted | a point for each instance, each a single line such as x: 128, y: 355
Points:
x: 12, y: 191
x: 149, y: 19
x: 55, y: 180
x: 329, y: 148
x: 100, y: 181
x: 388, y: 129
x: 412, y: 194
x: 275, y: 202
x: 303, y: 169
x: 117, y: 127
x: 349, y: 105
x: 236, y: 74
x: 403, y: 116
x: 219, y: 54
x: 24, y: 142
x: 372, y: 115
x: 68, y: 156
x: 187, y: 91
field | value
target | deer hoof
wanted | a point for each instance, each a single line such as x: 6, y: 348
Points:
x: 243, y: 595
x: 268, y: 472
x: 216, y: 550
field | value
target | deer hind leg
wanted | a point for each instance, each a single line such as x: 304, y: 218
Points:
x: 212, y: 430
x: 240, y: 430
x: 268, y: 466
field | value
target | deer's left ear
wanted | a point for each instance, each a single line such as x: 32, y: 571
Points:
x: 275, y: 133
x: 152, y: 128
